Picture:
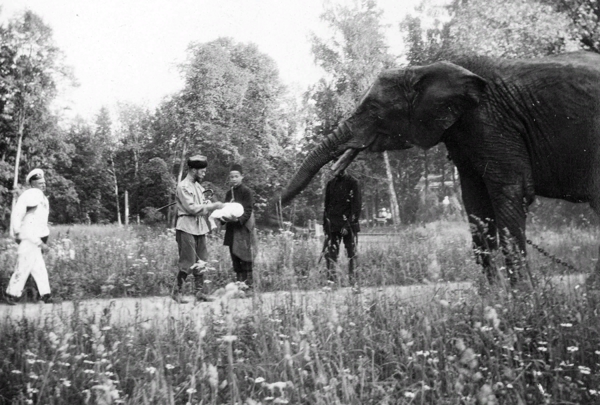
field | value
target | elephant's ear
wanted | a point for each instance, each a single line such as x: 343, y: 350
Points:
x: 444, y: 92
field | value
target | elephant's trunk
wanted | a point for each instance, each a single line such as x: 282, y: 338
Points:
x: 317, y: 158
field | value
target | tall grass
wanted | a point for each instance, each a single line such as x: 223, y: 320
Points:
x: 486, y: 347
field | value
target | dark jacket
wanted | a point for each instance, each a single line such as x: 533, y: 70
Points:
x: 343, y: 204
x: 240, y: 234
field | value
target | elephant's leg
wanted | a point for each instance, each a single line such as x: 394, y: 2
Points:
x: 510, y: 208
x: 482, y: 220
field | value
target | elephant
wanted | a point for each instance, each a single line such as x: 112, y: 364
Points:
x: 514, y: 128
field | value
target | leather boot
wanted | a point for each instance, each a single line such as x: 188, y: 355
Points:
x: 177, y: 293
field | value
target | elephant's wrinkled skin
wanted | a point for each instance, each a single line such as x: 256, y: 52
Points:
x: 514, y: 128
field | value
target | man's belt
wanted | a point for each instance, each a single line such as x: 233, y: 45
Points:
x: 186, y: 215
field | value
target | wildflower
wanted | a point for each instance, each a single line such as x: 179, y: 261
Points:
x: 89, y: 371
x: 280, y: 401
x: 566, y: 325
x: 16, y: 372
x: 444, y: 303
x: 572, y: 349
x: 33, y: 376
x: 584, y: 370
x: 151, y: 370
x: 106, y: 328
x: 169, y: 367
x: 66, y: 383
x: 259, y: 380
x: 409, y: 394
x: 542, y: 349
x: 190, y: 390
x: 213, y: 376
x: 229, y: 338
x: 593, y: 392
x: 491, y: 315
x: 31, y: 361
x: 352, y: 324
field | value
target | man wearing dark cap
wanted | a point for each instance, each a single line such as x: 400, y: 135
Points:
x: 239, y: 231
x: 192, y: 227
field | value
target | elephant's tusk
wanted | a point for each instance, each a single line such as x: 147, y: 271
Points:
x: 344, y: 160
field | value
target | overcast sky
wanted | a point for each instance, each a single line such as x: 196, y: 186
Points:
x: 128, y: 50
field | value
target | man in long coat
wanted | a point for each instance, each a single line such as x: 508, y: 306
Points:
x: 239, y: 232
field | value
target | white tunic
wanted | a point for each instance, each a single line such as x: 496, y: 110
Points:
x: 29, y: 219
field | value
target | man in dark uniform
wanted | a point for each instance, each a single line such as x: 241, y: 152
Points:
x: 343, y: 205
x: 192, y: 227
x: 239, y: 232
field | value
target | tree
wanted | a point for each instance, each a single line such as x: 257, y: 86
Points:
x: 29, y: 72
x: 232, y: 108
x: 353, y: 57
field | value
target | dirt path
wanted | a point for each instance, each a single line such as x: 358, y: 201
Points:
x: 158, y: 310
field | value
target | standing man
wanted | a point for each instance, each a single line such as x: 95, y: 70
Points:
x: 239, y: 232
x: 192, y: 226
x: 29, y: 227
x: 343, y: 205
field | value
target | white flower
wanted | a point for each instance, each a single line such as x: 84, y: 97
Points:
x: 566, y: 325
x: 572, y: 349
x: 584, y: 370
x: 259, y: 380
x: 151, y: 370
x: 169, y: 367
x: 190, y: 390
x: 229, y: 338
x: 409, y: 394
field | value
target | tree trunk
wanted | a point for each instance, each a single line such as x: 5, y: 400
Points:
x: 114, y: 173
x: 126, y: 208
x: 392, y: 191
x: 426, y: 163
x: 182, y: 162
x: 18, y: 158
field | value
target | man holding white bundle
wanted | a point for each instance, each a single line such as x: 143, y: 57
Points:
x: 192, y: 227
x: 29, y: 227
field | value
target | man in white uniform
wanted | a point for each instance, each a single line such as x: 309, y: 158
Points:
x: 29, y: 227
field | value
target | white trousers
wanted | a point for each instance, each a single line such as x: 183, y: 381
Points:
x: 29, y: 261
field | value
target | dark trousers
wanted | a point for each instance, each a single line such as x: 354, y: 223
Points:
x: 242, y: 269
x: 191, y: 249
x: 332, y: 251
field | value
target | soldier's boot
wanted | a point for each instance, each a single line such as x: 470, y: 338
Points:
x: 177, y: 292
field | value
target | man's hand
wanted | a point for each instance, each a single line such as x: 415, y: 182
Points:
x: 344, y: 232
x: 45, y: 248
x: 230, y: 218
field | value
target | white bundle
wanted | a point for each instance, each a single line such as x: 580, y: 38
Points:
x: 229, y: 210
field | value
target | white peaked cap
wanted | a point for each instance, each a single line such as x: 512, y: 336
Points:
x: 34, y: 172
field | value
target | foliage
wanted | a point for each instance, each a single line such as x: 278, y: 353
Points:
x: 585, y: 20
x: 470, y: 346
x: 353, y: 56
x: 31, y: 70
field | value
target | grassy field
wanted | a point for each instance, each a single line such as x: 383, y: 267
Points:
x: 493, y: 347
